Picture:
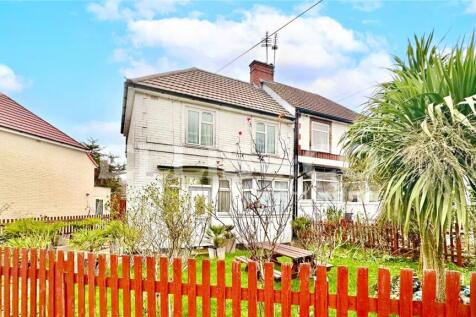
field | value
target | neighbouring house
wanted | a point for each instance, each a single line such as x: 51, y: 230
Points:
x: 320, y: 124
x: 43, y: 171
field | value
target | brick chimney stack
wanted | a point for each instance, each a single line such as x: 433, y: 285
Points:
x: 260, y: 71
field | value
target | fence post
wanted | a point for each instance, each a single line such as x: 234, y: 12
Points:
x: 252, y: 289
x: 177, y: 271
x: 452, y: 294
x: 406, y: 293
x: 304, y: 272
x: 321, y: 290
x: 342, y: 291
x: 221, y: 288
x: 192, y: 288
x: 139, y: 301
x: 383, y: 296
x: 285, y: 290
x: 268, y: 289
x: 236, y: 289
x: 151, y: 303
x: 362, y: 292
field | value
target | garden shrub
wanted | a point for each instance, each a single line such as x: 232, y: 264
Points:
x: 34, y: 232
x: 301, y: 224
x: 89, y: 240
x: 34, y: 241
x: 88, y: 223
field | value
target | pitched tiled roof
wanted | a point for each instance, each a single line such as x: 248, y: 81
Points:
x: 302, y: 99
x: 15, y: 117
x: 198, y: 83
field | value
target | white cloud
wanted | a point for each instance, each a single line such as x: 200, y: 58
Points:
x: 139, y: 9
x: 107, y: 134
x: 471, y: 6
x: 352, y: 85
x: 9, y: 81
x: 315, y: 52
x: 364, y: 5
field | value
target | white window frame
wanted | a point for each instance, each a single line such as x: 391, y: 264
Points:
x: 200, y: 122
x: 226, y: 190
x: 314, y: 146
x: 266, y: 127
x: 307, y: 180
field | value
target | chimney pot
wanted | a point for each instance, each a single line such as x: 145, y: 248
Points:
x: 260, y: 71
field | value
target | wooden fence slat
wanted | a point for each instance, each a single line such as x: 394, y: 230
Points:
x: 91, y: 285
x: 42, y: 284
x: 102, y: 285
x: 452, y: 290
x: 192, y: 288
x: 285, y: 290
x: 6, y: 282
x: 342, y: 291
x: 236, y: 289
x: 429, y: 294
x: 59, y: 285
x: 150, y: 287
x: 24, y: 283
x: 268, y: 289
x: 221, y: 288
x: 164, y: 280
x: 383, y: 294
x: 321, y: 291
x: 81, y: 298
x: 126, y: 289
x: 177, y: 291
x: 114, y: 287
x: 362, y: 292
x: 70, y: 295
x: 206, y: 288
x: 14, y: 275
x: 2, y: 254
x: 51, y: 283
x: 472, y: 303
x: 33, y: 282
x: 406, y: 293
x: 304, y: 275
x: 139, y: 300
x: 252, y: 289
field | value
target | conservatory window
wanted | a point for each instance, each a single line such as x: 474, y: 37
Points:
x: 327, y: 187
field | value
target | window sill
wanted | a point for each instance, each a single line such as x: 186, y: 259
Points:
x: 200, y: 147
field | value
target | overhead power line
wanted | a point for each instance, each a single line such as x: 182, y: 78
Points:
x: 270, y: 35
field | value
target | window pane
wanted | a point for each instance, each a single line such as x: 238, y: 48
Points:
x: 207, y: 117
x: 320, y: 141
x: 207, y: 134
x: 374, y: 193
x: 271, y: 140
x: 324, y: 127
x: 307, y: 189
x: 224, y: 183
x: 260, y: 127
x: 260, y: 142
x: 281, y: 185
x: 327, y: 191
x: 192, y: 128
x: 224, y: 196
x: 281, y: 200
x: 264, y: 185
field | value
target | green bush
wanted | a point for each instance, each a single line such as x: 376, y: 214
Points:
x: 89, y: 223
x: 37, y: 229
x: 34, y: 241
x: 124, y: 239
x: 89, y: 240
x: 301, y: 224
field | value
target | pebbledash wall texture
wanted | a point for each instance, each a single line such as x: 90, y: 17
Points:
x: 39, y: 177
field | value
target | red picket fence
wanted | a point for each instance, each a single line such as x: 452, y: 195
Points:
x: 458, y: 247
x: 68, y: 220
x: 45, y: 283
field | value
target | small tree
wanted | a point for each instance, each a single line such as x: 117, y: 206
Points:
x: 167, y: 220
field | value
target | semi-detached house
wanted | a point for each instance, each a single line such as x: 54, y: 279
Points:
x: 193, y: 123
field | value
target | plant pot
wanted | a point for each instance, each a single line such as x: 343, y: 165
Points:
x: 212, y: 253
x: 221, y: 253
x: 230, y: 245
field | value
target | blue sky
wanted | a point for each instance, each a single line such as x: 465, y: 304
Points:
x: 66, y: 61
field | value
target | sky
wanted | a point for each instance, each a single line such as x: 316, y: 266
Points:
x: 67, y: 60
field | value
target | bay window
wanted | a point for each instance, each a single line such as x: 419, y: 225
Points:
x: 200, y: 128
x: 327, y: 187
x: 265, y: 138
x: 320, y: 136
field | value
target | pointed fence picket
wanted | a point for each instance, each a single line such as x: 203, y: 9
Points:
x: 41, y: 283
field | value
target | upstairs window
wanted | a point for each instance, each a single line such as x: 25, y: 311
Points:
x: 265, y: 138
x: 200, y: 128
x: 320, y: 136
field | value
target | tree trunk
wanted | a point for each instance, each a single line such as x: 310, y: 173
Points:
x: 432, y: 258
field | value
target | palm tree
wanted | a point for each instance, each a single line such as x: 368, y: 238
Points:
x: 417, y: 138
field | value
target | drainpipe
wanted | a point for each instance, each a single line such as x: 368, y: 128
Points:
x: 296, y: 164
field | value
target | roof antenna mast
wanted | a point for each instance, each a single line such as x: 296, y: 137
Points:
x: 266, y: 42
x: 274, y: 47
